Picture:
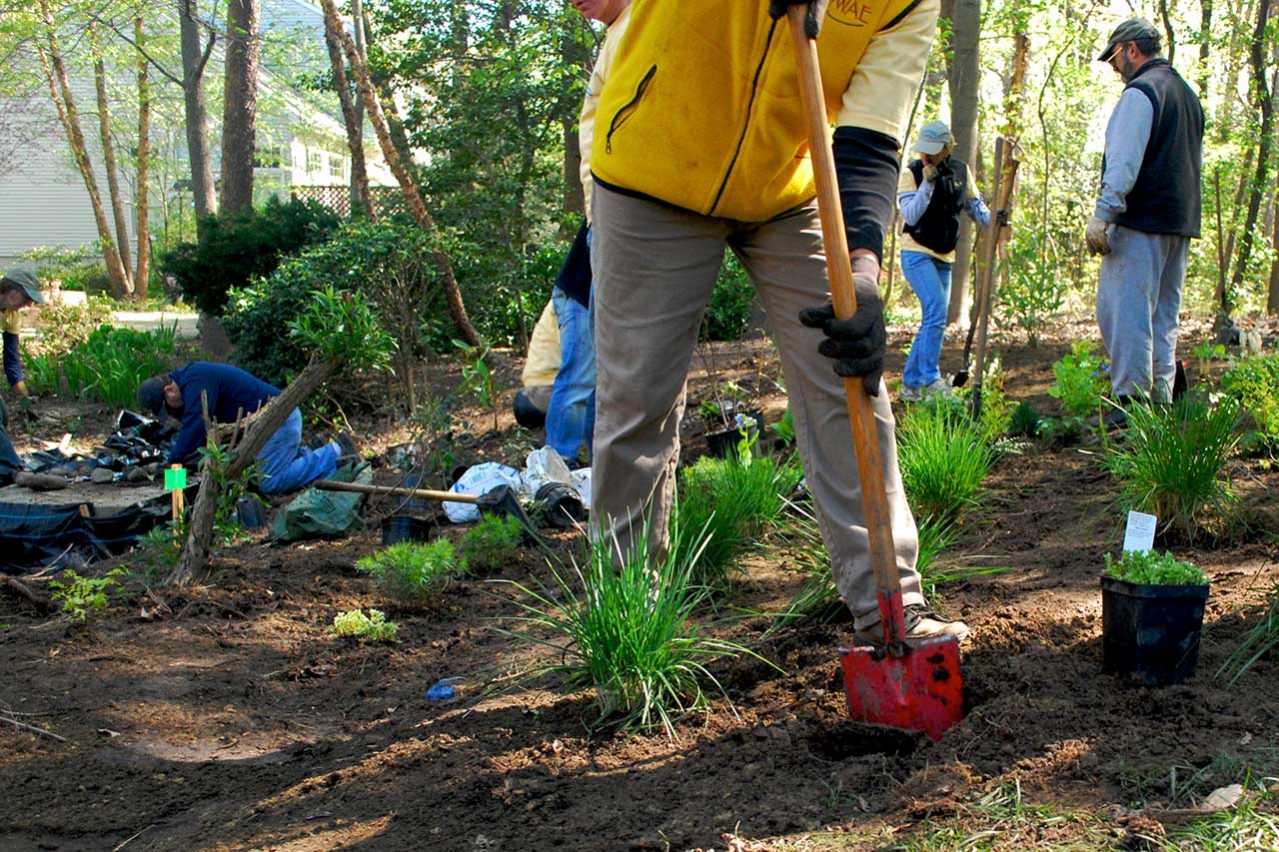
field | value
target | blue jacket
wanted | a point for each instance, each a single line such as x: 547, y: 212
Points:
x: 230, y: 391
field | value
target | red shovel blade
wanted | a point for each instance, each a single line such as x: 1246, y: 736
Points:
x: 920, y: 690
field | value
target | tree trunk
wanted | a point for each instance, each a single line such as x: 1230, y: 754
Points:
x: 965, y: 75
x: 109, y: 163
x: 1272, y: 296
x: 195, y: 553
x: 240, y: 104
x: 412, y: 195
x: 1170, y: 40
x: 59, y: 82
x: 361, y: 195
x: 1263, y: 102
x: 144, y: 156
x: 575, y: 59
x: 196, y: 112
x: 1205, y: 33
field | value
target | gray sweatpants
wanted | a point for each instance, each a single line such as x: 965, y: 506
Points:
x: 654, y: 268
x: 1138, y: 297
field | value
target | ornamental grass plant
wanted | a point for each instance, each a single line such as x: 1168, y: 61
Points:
x: 1171, y: 462
x: 944, y: 459
x: 621, y: 626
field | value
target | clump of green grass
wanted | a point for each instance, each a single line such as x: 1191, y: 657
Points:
x: 371, y: 628
x: 491, y: 544
x: 410, y: 572
x: 724, y: 505
x: 1262, y: 639
x: 1080, y: 379
x: 622, y: 626
x: 1172, y: 461
x: 1153, y: 569
x: 944, y: 458
x: 108, y: 366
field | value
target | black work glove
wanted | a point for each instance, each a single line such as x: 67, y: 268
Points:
x: 1002, y: 217
x: 858, y: 344
x: 812, y: 20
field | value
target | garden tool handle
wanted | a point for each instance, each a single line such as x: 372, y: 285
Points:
x: 861, y: 413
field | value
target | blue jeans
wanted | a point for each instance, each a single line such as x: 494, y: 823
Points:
x: 570, y: 416
x: 287, y: 466
x: 930, y: 279
x: 9, y: 462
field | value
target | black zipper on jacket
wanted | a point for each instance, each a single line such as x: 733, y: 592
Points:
x: 750, y: 104
x: 619, y: 117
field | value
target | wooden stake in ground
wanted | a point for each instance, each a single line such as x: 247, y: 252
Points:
x: 1006, y: 164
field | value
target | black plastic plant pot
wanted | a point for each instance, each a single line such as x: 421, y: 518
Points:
x: 1151, y: 632
x: 723, y: 445
x: 398, y: 528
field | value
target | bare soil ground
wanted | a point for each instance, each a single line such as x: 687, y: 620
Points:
x: 226, y: 717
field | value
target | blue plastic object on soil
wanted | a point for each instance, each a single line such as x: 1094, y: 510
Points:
x: 443, y: 689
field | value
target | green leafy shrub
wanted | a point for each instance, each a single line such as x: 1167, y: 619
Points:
x: 1080, y: 379
x: 1255, y: 383
x: 1061, y: 431
x: 1153, y: 569
x: 944, y: 458
x: 725, y: 504
x: 1172, y: 461
x: 389, y: 262
x: 622, y: 625
x: 69, y: 326
x: 108, y: 366
x: 244, y: 246
x: 1034, y: 289
x: 80, y: 596
x: 373, y: 627
x: 729, y: 310
x: 491, y: 544
x: 79, y: 269
x: 411, y: 572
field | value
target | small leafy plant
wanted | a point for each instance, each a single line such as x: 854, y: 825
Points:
x: 80, y: 596
x: 1207, y: 353
x: 1150, y: 568
x: 411, y: 572
x: 1255, y: 383
x: 944, y: 458
x: 622, y: 626
x: 1080, y: 379
x: 477, y: 376
x: 1061, y: 431
x: 491, y: 544
x: 1172, y: 461
x: 373, y: 627
x: 784, y: 428
x: 1024, y: 420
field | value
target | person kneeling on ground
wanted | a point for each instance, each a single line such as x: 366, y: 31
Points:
x: 932, y: 193
x: 541, y: 365
x: 231, y: 392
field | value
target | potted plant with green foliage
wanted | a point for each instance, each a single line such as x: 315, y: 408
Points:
x: 735, y: 421
x: 1152, y: 610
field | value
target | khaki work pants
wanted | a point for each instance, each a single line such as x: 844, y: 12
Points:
x: 654, y: 268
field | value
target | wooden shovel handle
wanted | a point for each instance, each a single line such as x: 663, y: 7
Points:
x: 861, y: 413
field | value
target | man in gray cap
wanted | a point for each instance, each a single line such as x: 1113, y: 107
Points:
x: 932, y: 192
x: 1147, y: 212
x: 18, y: 289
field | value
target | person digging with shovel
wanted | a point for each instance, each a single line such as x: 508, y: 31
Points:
x: 700, y: 145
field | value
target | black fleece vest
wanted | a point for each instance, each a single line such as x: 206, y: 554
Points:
x: 1167, y: 199
x: 938, y: 228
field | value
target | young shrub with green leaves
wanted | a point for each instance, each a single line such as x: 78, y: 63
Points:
x: 370, y: 628
x: 410, y: 572
x: 944, y: 458
x: 622, y: 625
x: 1152, y: 568
x: 81, y: 596
x: 730, y: 502
x: 1172, y: 462
x: 491, y: 544
x: 1255, y: 383
x: 1080, y: 379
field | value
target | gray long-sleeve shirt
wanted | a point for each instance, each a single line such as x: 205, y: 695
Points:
x: 1127, y: 134
x: 913, y: 203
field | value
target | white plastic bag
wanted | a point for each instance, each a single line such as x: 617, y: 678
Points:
x: 543, y: 466
x: 582, y: 485
x: 480, y: 480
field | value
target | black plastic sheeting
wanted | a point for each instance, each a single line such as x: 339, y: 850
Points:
x: 34, y: 535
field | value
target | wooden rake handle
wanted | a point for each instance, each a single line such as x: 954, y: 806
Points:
x: 861, y: 413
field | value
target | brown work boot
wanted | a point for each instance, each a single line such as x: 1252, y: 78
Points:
x: 921, y: 623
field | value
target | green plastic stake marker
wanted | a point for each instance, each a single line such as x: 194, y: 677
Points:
x: 175, y: 481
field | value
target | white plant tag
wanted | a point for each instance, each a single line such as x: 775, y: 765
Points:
x: 1140, y: 535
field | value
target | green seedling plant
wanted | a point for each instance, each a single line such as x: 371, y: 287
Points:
x: 491, y: 545
x: 1261, y: 640
x: 1080, y: 379
x: 477, y: 376
x: 1172, y: 462
x: 724, y: 506
x: 944, y: 459
x: 784, y: 429
x: 621, y: 625
x: 1061, y: 431
x: 1206, y: 353
x: 1255, y: 383
x: 1150, y: 568
x: 81, y: 596
x: 373, y: 627
x: 1024, y: 420
x: 411, y: 572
